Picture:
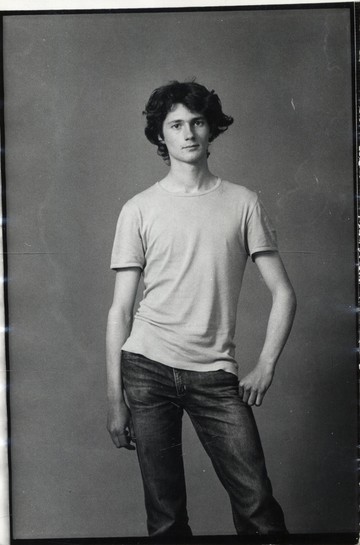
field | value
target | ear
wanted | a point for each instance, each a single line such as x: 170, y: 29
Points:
x: 161, y: 140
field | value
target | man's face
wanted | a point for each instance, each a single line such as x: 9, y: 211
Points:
x: 186, y: 135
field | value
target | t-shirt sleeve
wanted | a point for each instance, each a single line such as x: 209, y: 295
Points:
x: 128, y: 250
x: 260, y: 232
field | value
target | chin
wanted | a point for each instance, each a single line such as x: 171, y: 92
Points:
x: 196, y: 156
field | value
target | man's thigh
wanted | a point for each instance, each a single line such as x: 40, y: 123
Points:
x: 224, y: 423
x: 150, y: 391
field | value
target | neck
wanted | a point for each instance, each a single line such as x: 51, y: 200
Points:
x: 189, y: 178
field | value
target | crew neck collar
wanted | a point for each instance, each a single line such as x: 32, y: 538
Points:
x: 185, y: 194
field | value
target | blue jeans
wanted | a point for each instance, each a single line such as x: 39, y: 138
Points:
x: 157, y: 396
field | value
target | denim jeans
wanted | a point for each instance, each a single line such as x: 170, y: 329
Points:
x: 157, y: 395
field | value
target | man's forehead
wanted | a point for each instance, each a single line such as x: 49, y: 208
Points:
x: 179, y: 111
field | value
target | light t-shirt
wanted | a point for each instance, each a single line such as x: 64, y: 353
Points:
x: 192, y: 249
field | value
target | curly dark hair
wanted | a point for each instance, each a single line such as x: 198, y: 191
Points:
x: 192, y: 95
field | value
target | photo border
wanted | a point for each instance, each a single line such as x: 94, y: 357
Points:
x: 58, y: 7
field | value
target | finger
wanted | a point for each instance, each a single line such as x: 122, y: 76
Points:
x: 252, y: 397
x: 130, y: 436
x: 129, y: 446
x: 241, y: 390
x: 259, y: 399
x: 121, y: 439
x: 127, y: 442
x: 246, y: 395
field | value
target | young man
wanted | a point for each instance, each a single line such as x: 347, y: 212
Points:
x: 190, y: 235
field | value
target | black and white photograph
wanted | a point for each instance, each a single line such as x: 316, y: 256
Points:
x: 180, y: 263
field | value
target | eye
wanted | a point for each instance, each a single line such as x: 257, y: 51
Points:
x: 199, y: 122
x: 175, y: 126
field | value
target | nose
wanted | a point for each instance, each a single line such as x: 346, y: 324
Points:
x: 189, y: 133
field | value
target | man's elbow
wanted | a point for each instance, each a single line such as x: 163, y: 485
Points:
x: 286, y: 296
x: 290, y: 299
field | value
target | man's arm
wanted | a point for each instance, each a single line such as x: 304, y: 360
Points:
x: 118, y: 329
x: 254, y: 385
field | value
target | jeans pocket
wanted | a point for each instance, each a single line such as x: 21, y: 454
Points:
x: 227, y: 376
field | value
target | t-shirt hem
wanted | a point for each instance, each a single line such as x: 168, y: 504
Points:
x: 125, y: 265
x: 220, y: 365
x: 263, y: 249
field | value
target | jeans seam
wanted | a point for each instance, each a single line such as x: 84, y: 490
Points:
x: 179, y: 385
x: 208, y: 447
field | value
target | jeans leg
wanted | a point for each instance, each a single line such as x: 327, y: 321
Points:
x: 157, y: 421
x: 228, y: 432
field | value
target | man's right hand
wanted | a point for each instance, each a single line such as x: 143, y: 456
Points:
x: 119, y: 426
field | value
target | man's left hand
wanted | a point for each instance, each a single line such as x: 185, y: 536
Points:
x: 254, y: 386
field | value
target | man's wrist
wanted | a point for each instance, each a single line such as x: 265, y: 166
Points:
x: 117, y: 402
x: 267, y: 364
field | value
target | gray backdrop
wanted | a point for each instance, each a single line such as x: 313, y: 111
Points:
x: 75, y: 86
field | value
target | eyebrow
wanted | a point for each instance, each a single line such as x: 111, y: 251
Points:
x: 197, y: 118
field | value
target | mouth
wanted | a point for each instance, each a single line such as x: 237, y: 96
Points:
x: 193, y: 146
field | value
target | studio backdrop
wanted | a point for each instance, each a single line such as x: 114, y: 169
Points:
x: 75, y: 88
